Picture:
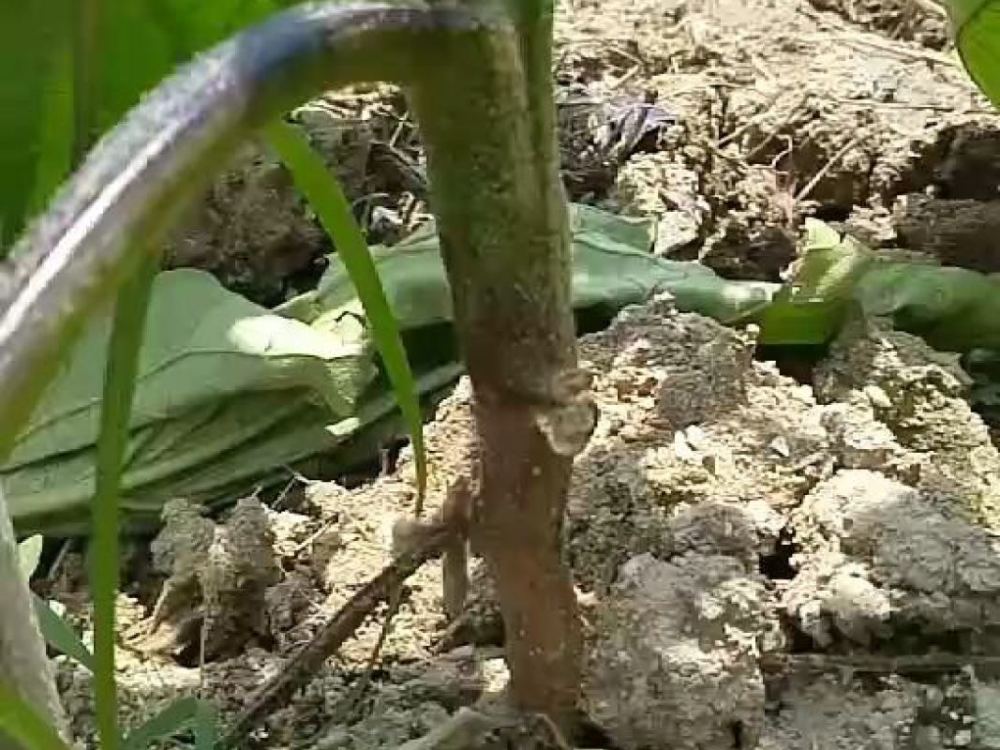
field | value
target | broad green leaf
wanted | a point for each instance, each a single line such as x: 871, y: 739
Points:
x: 119, y: 387
x: 178, y: 716
x: 29, y: 553
x: 321, y: 189
x: 976, y: 27
x: 21, y: 722
x: 60, y: 635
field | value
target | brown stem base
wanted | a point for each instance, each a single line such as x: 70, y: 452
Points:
x: 517, y: 528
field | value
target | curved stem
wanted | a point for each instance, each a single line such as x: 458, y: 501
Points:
x: 126, y: 195
x: 133, y: 183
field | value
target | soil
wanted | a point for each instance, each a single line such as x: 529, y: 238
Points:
x: 807, y: 564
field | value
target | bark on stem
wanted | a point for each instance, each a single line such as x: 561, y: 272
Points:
x: 492, y: 157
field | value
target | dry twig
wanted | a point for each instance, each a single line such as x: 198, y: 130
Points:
x: 900, y: 50
x: 810, y: 186
x: 756, y: 119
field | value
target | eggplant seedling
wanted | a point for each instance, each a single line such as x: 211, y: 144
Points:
x: 477, y: 74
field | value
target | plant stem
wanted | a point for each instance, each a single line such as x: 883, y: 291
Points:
x: 501, y: 210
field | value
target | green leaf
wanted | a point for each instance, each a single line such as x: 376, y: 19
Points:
x: 60, y: 635
x: 55, y: 629
x: 810, y: 308
x: 21, y: 722
x: 178, y: 716
x: 206, y: 726
x: 327, y: 199
x: 29, y: 553
x: 119, y: 387
x: 977, y: 37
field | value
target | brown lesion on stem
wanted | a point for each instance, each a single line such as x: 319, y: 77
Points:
x: 518, y: 528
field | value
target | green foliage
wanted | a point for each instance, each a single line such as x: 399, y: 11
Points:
x: 56, y: 631
x: 953, y: 309
x: 21, y: 722
x: 206, y: 726
x: 60, y: 635
x: 976, y: 28
x: 327, y: 199
x: 98, y: 72
x: 810, y: 308
x: 36, y: 98
x: 29, y: 552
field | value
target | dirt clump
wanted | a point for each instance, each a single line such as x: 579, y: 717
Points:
x: 687, y: 418
x: 785, y: 110
x: 657, y: 185
x: 959, y: 232
x: 214, y: 599
x: 923, y: 22
x: 255, y: 232
x: 919, y: 395
x: 824, y: 713
x: 879, y: 560
x: 673, y: 662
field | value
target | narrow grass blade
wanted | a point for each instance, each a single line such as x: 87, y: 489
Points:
x: 29, y: 552
x: 175, y: 718
x: 60, y: 635
x: 119, y: 386
x: 20, y: 721
x: 327, y: 199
